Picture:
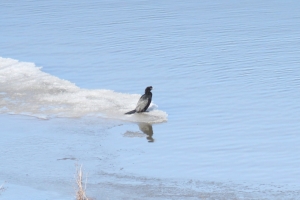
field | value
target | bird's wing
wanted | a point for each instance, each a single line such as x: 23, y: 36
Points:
x: 142, y: 103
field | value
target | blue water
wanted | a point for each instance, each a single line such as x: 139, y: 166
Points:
x: 226, y: 73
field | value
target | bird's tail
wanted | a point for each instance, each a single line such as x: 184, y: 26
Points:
x: 130, y: 112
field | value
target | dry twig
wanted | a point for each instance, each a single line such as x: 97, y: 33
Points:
x: 81, y: 186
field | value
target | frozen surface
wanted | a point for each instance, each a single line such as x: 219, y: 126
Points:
x: 40, y: 157
x: 13, y: 192
x: 25, y: 89
x: 225, y: 123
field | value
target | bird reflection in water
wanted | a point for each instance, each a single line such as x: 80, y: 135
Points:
x: 148, y: 130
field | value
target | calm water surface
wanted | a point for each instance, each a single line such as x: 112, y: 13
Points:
x: 226, y: 73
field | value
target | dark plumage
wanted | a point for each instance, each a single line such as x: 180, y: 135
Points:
x: 144, y: 102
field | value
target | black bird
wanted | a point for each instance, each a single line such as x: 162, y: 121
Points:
x: 143, y: 103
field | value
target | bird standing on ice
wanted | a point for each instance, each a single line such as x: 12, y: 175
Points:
x: 144, y: 102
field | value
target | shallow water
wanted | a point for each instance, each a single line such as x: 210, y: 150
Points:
x: 225, y: 98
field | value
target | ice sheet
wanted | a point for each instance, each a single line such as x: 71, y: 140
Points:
x: 25, y: 89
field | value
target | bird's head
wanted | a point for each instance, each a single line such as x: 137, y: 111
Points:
x: 148, y: 89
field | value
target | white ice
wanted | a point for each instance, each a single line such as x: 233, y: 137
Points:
x: 27, y: 90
